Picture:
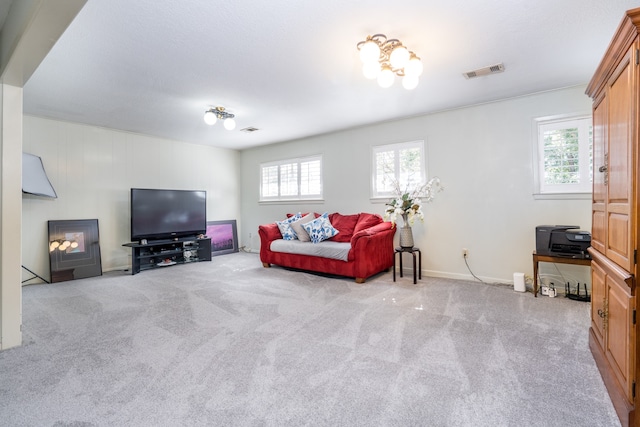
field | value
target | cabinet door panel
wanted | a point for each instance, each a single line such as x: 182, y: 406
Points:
x: 599, y: 150
x: 618, y: 239
x: 599, y: 218
x: 597, y: 301
x: 619, y: 346
x: 620, y: 172
x: 598, y: 228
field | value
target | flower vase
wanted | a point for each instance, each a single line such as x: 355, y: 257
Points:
x: 406, y: 234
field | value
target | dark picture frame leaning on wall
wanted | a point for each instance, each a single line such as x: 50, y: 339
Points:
x: 80, y: 257
x: 224, y: 237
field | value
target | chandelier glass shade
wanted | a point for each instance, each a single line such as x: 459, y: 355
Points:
x: 383, y: 59
x: 212, y: 115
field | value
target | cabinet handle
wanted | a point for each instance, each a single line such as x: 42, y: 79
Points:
x: 602, y: 169
x: 604, y: 314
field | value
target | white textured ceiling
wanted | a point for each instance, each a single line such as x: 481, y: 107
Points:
x: 291, y: 68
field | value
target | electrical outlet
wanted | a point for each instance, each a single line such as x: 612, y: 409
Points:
x: 465, y: 252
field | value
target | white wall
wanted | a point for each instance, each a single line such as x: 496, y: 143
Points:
x: 92, y: 170
x: 483, y: 155
x: 10, y: 213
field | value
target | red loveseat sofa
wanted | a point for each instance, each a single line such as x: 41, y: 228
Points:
x: 371, y: 250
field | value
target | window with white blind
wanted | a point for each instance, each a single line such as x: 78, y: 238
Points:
x: 564, y: 155
x: 403, y: 162
x: 291, y: 179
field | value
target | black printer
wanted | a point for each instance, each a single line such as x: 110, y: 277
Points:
x: 563, y: 241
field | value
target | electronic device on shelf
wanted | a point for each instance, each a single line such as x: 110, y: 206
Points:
x: 563, y: 241
x: 158, y: 214
x: 168, y: 225
x: 165, y: 253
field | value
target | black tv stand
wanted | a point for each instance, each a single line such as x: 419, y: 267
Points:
x: 163, y: 253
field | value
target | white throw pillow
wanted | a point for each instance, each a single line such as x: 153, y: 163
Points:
x: 298, y: 228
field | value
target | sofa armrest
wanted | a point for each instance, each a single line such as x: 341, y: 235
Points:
x: 380, y: 227
x: 269, y: 232
x: 371, y: 240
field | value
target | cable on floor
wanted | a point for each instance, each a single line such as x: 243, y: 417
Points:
x: 469, y: 268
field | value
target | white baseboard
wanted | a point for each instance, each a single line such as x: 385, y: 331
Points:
x: 457, y: 276
x: 406, y: 271
x: 118, y: 268
x: 434, y: 273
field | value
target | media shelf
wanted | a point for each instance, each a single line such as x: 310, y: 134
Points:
x: 163, y: 253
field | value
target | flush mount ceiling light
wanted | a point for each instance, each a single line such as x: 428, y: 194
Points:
x: 213, y: 114
x: 383, y: 59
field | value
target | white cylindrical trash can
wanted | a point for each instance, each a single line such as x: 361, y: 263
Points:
x: 518, y: 282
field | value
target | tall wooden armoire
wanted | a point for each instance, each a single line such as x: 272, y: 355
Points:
x: 613, y: 337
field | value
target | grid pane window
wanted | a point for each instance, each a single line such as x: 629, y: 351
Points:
x: 561, y: 156
x: 384, y: 170
x: 310, y: 182
x: 270, y: 181
x: 411, y: 166
x: 402, y: 162
x: 565, y: 159
x: 291, y: 179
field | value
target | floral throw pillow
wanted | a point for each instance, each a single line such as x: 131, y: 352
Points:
x: 285, y: 227
x: 320, y: 229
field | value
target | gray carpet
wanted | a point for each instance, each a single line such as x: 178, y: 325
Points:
x: 230, y: 343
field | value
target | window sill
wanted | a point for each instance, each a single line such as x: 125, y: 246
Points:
x: 380, y: 200
x: 292, y: 202
x: 562, y: 196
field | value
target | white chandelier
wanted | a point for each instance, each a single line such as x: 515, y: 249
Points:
x: 384, y: 58
x: 213, y: 114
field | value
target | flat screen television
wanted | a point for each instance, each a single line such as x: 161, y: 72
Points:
x: 167, y: 214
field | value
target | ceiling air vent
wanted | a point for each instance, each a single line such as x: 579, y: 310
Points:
x: 249, y: 129
x: 491, y: 69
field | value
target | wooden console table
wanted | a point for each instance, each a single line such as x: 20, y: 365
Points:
x: 556, y: 259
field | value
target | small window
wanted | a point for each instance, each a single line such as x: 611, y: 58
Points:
x: 402, y: 162
x: 564, y: 159
x: 292, y: 179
